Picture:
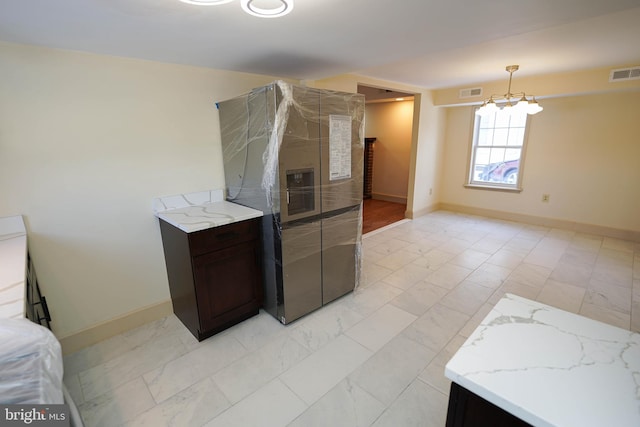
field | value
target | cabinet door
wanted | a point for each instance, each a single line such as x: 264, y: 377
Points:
x: 467, y: 409
x: 228, y: 285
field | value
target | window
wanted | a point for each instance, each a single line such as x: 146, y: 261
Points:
x: 498, y: 146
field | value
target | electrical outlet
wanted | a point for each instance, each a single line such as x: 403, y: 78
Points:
x: 430, y: 191
x: 545, y: 198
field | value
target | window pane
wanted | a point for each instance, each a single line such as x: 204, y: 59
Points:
x: 516, y: 136
x: 519, y: 120
x: 497, y: 155
x: 500, y: 136
x: 485, y: 136
x: 502, y: 119
x: 482, y: 156
x: 510, y: 176
x: 487, y: 121
x: 512, y: 154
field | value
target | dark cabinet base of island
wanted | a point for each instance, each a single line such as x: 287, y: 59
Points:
x: 214, y: 275
x: 467, y: 409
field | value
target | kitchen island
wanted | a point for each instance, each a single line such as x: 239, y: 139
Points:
x: 529, y: 363
x: 13, y: 267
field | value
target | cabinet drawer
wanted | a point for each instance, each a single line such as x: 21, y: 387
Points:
x: 216, y: 238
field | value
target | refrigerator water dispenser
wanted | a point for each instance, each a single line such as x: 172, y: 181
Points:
x: 300, y: 191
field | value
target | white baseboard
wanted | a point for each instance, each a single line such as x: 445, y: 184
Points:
x: 616, y: 233
x: 110, y: 328
x: 423, y: 211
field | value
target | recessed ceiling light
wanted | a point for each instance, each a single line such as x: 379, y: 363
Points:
x: 267, y: 8
x: 206, y: 2
x: 259, y: 8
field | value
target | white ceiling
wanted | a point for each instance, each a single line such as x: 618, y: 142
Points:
x: 426, y: 43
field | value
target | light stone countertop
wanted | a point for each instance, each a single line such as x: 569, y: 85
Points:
x: 550, y: 367
x: 13, y: 265
x: 200, y: 211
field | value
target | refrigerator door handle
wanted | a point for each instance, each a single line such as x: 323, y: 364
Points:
x: 287, y: 196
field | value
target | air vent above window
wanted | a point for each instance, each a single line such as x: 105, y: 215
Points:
x: 470, y: 93
x: 623, y: 74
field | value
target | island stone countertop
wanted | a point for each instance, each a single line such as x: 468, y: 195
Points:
x: 200, y: 211
x: 549, y: 367
x: 13, y: 264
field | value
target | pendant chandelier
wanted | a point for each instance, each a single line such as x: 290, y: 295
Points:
x: 259, y: 8
x: 523, y: 104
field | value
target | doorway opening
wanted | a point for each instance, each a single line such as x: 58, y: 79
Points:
x: 388, y: 150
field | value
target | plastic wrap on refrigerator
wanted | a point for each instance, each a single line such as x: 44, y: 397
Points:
x: 296, y: 154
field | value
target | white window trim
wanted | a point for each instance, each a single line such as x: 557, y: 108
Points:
x: 494, y: 187
x: 488, y: 185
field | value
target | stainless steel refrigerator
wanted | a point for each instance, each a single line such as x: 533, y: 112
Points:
x: 296, y: 154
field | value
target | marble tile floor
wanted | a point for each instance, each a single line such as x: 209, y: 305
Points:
x: 374, y: 357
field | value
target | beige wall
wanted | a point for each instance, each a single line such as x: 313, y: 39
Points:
x: 584, y: 151
x: 543, y: 86
x: 425, y: 161
x: 86, y: 142
x: 392, y: 124
x: 424, y: 188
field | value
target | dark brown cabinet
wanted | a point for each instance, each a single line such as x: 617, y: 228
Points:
x: 214, y: 275
x: 467, y: 409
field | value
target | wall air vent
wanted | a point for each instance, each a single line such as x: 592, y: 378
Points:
x: 470, y: 93
x: 623, y: 74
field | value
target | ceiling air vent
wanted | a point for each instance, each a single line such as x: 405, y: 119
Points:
x: 623, y: 74
x: 470, y: 93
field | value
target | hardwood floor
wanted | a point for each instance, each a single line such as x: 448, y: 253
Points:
x: 379, y: 213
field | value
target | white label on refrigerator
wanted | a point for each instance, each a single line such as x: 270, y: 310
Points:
x: 339, y: 147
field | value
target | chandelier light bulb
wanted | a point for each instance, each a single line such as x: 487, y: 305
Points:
x: 487, y: 108
x: 523, y: 104
x: 533, y: 107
